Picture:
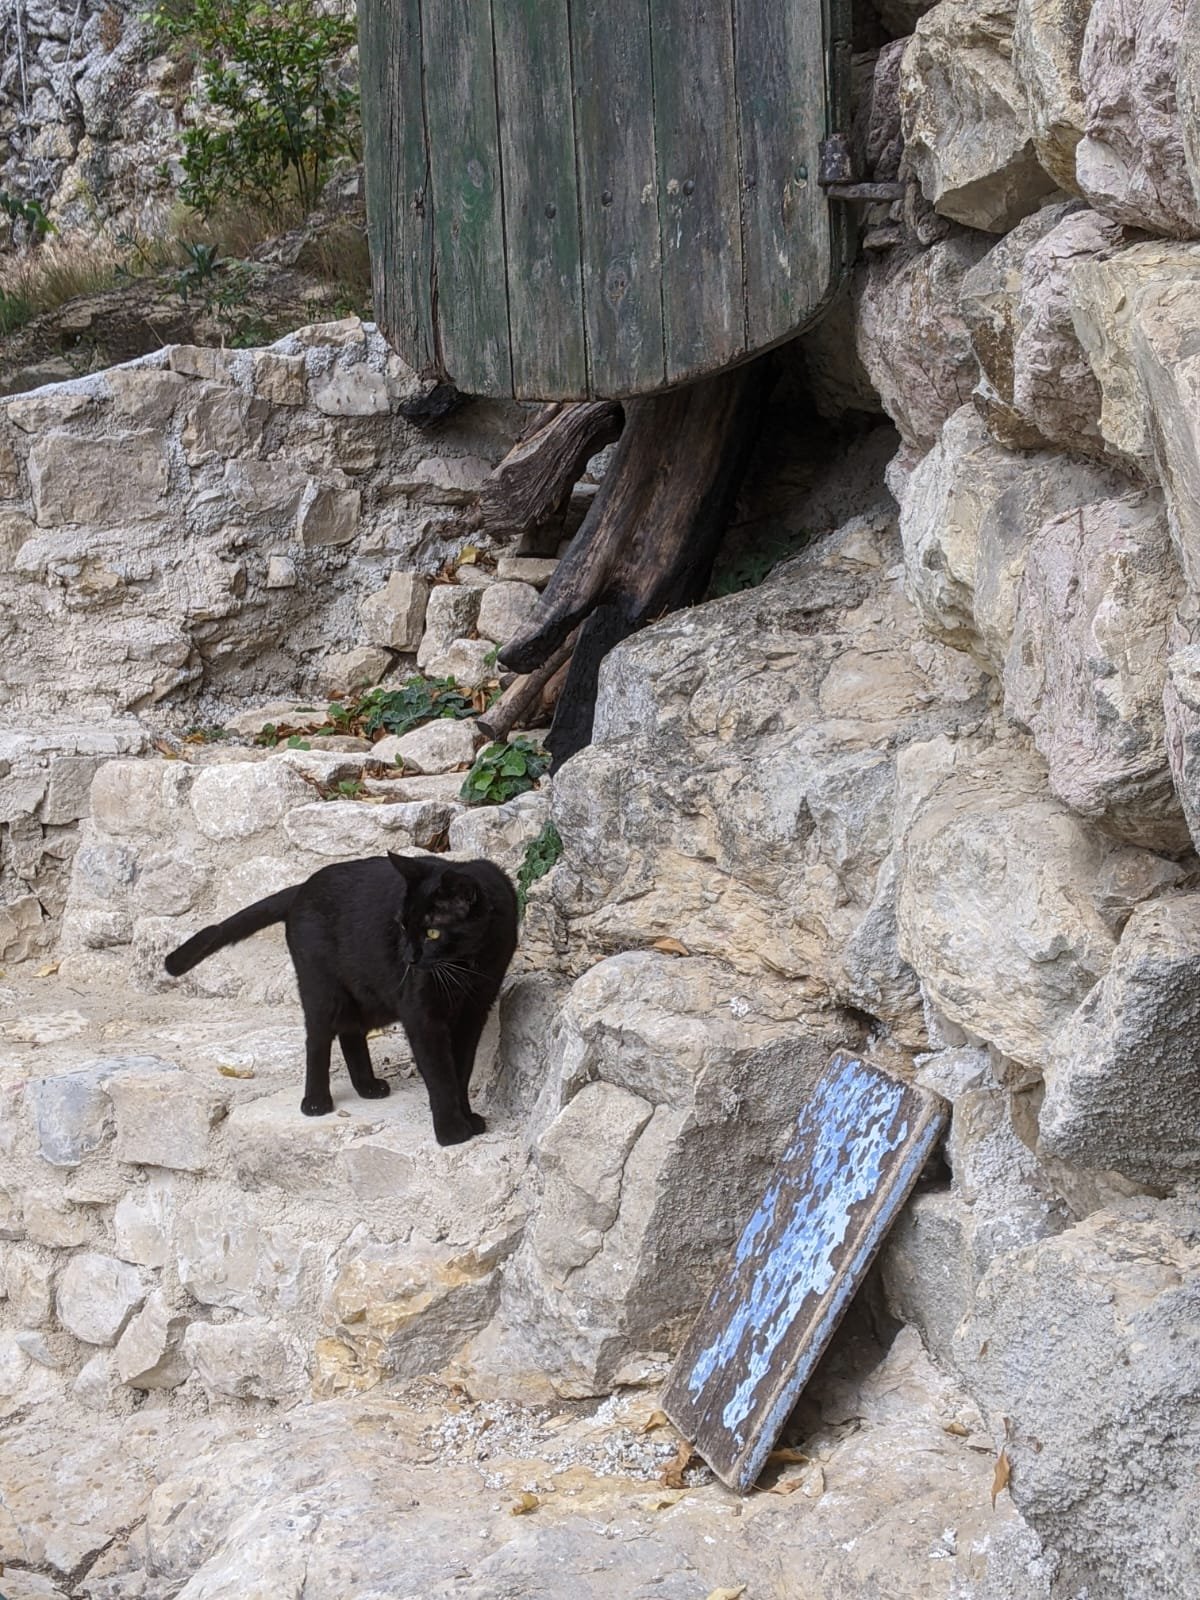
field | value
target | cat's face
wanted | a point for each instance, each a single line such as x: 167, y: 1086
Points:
x: 440, y: 923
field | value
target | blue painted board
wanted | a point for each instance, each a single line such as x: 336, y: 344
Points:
x: 858, y: 1147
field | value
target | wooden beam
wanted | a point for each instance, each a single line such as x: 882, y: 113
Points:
x: 648, y: 542
x: 535, y: 479
x: 523, y: 694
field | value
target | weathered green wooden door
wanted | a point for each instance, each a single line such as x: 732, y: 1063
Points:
x: 572, y: 198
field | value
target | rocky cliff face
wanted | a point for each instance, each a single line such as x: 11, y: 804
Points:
x: 929, y: 790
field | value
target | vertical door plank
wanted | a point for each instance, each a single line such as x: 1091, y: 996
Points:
x: 399, y: 213
x: 618, y: 194
x: 703, y: 296
x: 780, y: 78
x: 469, y: 292
x: 541, y: 198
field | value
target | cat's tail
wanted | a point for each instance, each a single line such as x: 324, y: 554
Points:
x: 252, y: 919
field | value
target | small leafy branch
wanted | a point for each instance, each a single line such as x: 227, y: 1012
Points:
x: 268, y: 72
x: 27, y: 212
x: 503, y: 770
x: 382, y: 711
x: 541, y: 854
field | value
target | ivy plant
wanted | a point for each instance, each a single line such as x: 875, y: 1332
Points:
x: 503, y: 770
x: 541, y: 854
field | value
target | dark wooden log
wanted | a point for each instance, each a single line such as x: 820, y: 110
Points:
x: 576, y: 708
x: 647, y: 544
x: 535, y: 479
x: 523, y: 694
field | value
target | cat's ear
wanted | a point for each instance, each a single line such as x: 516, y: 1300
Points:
x: 463, y: 889
x: 404, y: 865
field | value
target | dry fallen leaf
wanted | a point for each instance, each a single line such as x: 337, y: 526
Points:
x: 671, y: 947
x: 664, y: 1502
x: 468, y: 555
x: 656, y: 1419
x: 957, y: 1429
x: 1003, y: 1473
x: 728, y: 1594
x: 48, y: 970
x: 785, y: 1453
x: 524, y: 1504
x: 788, y: 1486
x: 672, y: 1474
x: 228, y: 1069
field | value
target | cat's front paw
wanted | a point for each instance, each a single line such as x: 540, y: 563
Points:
x: 478, y: 1123
x: 454, y: 1132
x: 317, y: 1105
x: 377, y: 1089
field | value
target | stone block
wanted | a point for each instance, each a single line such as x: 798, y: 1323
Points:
x: 470, y: 662
x: 16, y: 529
x: 97, y: 1295
x: 1087, y: 664
x: 67, y: 795
x: 966, y: 121
x: 394, y: 616
x: 351, y: 391
x: 144, y: 396
x: 266, y: 487
x: 149, y: 1352
x: 72, y: 478
x: 279, y: 379
x: 164, y: 1118
x: 244, y: 798
x: 281, y: 573
x: 48, y: 407
x: 343, y: 829
x: 1047, y: 44
x: 242, y: 1262
x: 439, y: 746
x: 202, y: 361
x: 142, y: 1224
x: 22, y: 926
x: 222, y: 422
x: 443, y: 480
x: 1131, y: 162
x: 48, y: 1221
x: 350, y: 671
x: 328, y: 515
x: 451, y: 613
x: 501, y: 833
x: 72, y: 1113
x: 168, y: 885
x: 927, y: 1269
x: 136, y: 797
x: 1166, y: 357
x: 250, y: 1359
x: 1123, y: 1077
x: 504, y: 609
x: 29, y: 1284
x: 534, y: 570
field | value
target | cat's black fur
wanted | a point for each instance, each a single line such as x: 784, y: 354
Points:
x: 359, y: 937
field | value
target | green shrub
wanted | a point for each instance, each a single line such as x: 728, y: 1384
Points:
x: 416, y: 701
x: 278, y: 109
x: 502, y: 771
x: 540, y: 855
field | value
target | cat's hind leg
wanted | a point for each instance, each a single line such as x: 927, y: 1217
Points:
x: 358, y: 1061
x: 317, y: 1102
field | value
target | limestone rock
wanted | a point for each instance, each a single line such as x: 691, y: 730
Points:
x: 245, y: 798
x: 342, y: 829
x: 1188, y: 90
x: 1166, y: 356
x: 97, y: 1295
x: 72, y: 1114
x: 657, y: 1063
x: 911, y: 339
x: 451, y: 614
x: 1124, y: 1073
x: 250, y: 1359
x: 1087, y: 1342
x: 148, y: 1353
x: 72, y: 482
x: 328, y: 515
x: 279, y: 379
x: 470, y: 662
x: 535, y: 570
x: 1106, y: 295
x: 966, y: 126
x: 927, y: 1269
x: 246, y: 1263
x: 504, y: 609
x: 1181, y: 708
x: 394, y: 616
x: 1010, y: 1198
x: 1047, y: 44
x: 221, y: 422
x: 438, y: 746
x: 352, y: 671
x: 990, y: 302
x: 968, y: 517
x: 501, y: 833
x: 142, y: 1224
x: 164, y: 1118
x: 29, y: 1286
x: 1009, y: 905
x: 1087, y: 664
x: 402, y: 1312
x: 351, y: 391
x: 1131, y: 162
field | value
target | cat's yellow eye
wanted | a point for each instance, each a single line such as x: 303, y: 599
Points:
x: 433, y: 933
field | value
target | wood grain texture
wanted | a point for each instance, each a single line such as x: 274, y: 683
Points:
x: 537, y: 475
x: 469, y: 301
x: 859, y: 1145
x: 541, y: 198
x: 704, y: 323
x: 396, y: 155
x: 618, y: 195
x: 781, y: 117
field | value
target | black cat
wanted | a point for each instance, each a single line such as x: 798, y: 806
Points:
x: 412, y: 939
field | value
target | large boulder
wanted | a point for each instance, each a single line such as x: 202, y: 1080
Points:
x: 1047, y: 44
x: 966, y: 125
x: 912, y: 339
x: 1123, y: 1078
x: 1166, y: 357
x: 1130, y: 162
x: 1009, y: 905
x: 1087, y: 664
x: 1085, y: 1349
x: 967, y: 519
x: 738, y: 793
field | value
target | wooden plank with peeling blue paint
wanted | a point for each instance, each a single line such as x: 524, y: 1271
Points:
x: 859, y: 1146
